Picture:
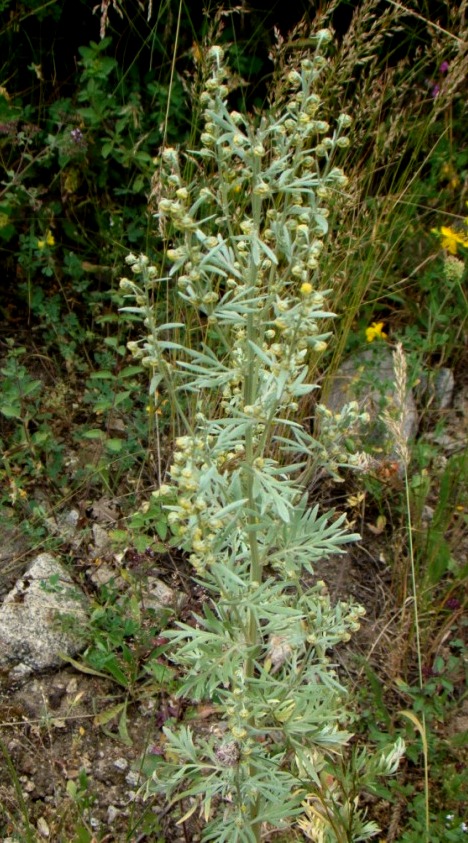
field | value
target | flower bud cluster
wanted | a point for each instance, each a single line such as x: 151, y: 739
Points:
x: 278, y: 159
x: 454, y: 269
x: 196, y: 517
x: 253, y: 251
x: 239, y: 713
x: 325, y: 625
x: 334, y: 429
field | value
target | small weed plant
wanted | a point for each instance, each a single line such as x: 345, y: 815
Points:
x: 243, y: 243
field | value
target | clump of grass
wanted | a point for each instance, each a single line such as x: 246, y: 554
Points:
x: 400, y: 124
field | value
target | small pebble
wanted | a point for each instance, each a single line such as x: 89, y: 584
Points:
x: 42, y: 827
x: 112, y: 813
x: 121, y: 764
x: 132, y: 778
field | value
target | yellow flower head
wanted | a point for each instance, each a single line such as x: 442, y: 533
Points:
x: 49, y: 240
x: 375, y: 331
x: 451, y: 239
x: 306, y: 288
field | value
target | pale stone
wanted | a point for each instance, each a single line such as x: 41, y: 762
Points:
x: 32, y: 637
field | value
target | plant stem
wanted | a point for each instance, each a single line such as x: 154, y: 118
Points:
x: 418, y: 650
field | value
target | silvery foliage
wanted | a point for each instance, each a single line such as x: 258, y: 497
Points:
x: 246, y: 237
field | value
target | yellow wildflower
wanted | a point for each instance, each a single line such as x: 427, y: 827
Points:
x: 306, y: 288
x: 49, y: 240
x: 451, y: 239
x: 375, y: 331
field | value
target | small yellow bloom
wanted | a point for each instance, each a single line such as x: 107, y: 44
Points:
x: 306, y: 288
x: 451, y: 239
x: 48, y: 241
x: 375, y: 331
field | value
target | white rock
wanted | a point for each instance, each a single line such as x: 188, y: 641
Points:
x: 112, y: 814
x: 133, y: 778
x: 43, y: 828
x: 100, y: 537
x: 32, y: 637
x: 157, y: 595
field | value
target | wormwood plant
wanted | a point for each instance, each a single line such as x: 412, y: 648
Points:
x: 246, y: 237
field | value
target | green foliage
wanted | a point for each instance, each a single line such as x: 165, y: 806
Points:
x: 34, y: 449
x: 37, y: 416
x: 437, y: 531
x: 438, y: 314
x: 77, y: 167
x: 121, y: 640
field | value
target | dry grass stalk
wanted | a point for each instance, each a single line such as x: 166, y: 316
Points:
x: 395, y: 421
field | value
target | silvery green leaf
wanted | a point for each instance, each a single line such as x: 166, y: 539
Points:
x: 233, y: 308
x: 220, y: 256
x: 309, y: 537
x: 322, y: 314
x: 155, y: 383
x: 168, y: 326
x: 169, y: 345
x: 216, y: 268
x: 133, y: 309
x: 202, y: 153
x: 321, y: 223
x: 266, y: 249
x: 284, y: 240
x: 260, y: 353
x: 285, y: 177
x: 232, y: 507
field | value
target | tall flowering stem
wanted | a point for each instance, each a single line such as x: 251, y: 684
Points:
x: 244, y: 243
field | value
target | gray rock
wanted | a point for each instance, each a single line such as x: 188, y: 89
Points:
x: 368, y: 377
x: 101, y: 539
x: 444, y: 386
x: 112, y: 814
x: 103, y: 575
x: 64, y: 525
x: 436, y: 388
x: 157, y: 595
x: 32, y: 637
